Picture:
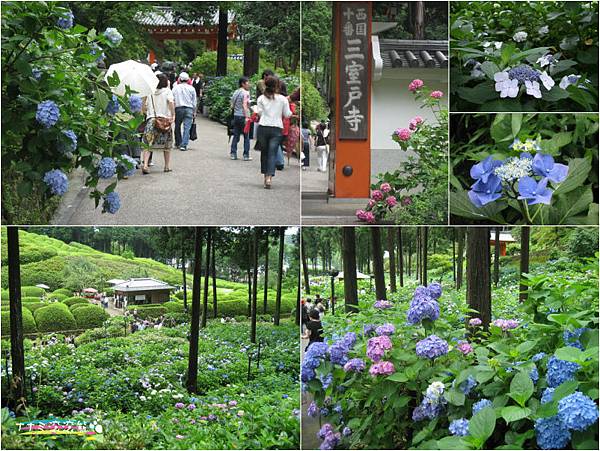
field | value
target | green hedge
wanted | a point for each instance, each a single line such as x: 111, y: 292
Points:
x: 90, y: 316
x: 30, y: 299
x: 78, y: 305
x: 57, y: 296
x: 174, y: 307
x: 35, y: 305
x: 65, y: 291
x: 55, y: 317
x: 149, y: 311
x: 29, y: 326
x: 32, y: 291
x: 75, y: 300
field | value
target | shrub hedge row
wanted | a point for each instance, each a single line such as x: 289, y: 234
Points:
x: 89, y: 316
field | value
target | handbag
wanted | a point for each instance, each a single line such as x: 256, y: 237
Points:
x: 193, y: 131
x: 162, y: 124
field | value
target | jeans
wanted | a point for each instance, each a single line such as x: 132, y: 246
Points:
x: 185, y: 115
x: 270, y: 139
x: 239, y: 123
x: 280, y: 161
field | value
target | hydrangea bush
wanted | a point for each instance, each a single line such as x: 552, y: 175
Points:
x: 57, y: 112
x: 519, y: 385
x: 529, y: 174
x: 524, y: 56
x: 416, y: 193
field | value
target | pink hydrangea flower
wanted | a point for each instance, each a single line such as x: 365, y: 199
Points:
x: 391, y: 201
x: 506, y: 324
x: 415, y: 84
x: 179, y: 405
x: 233, y: 403
x: 377, y: 195
x: 474, y: 322
x: 371, y: 203
x: 403, y: 134
x: 360, y: 214
x: 377, y: 346
x: 415, y: 122
x: 406, y: 201
x: 369, y: 217
x: 383, y: 368
x: 464, y: 347
x: 385, y: 187
x: 436, y: 94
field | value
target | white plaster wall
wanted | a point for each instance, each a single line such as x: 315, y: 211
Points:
x: 392, y: 107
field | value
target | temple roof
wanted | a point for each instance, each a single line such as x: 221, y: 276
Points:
x: 142, y: 284
x: 163, y: 16
x: 398, y: 53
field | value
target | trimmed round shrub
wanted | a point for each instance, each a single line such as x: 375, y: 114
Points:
x: 65, y: 291
x: 33, y: 306
x: 29, y: 326
x: 32, y: 291
x: 54, y: 318
x: 30, y: 299
x: 3, y: 294
x: 78, y: 305
x: 90, y: 316
x: 75, y: 300
x: 173, y: 307
x: 151, y: 312
x: 179, y: 295
x: 57, y: 296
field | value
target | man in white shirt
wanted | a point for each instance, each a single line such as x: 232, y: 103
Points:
x: 185, y: 110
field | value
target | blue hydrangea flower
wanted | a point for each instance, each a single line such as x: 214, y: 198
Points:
x: 47, y: 113
x: 113, y: 35
x: 422, y: 307
x: 96, y: 50
x: 524, y: 73
x: 113, y: 106
x: 385, y: 329
x: 467, y: 385
x: 65, y: 21
x: 544, y: 165
x: 324, y: 411
x: 432, y: 347
x: 346, y: 432
x: 317, y: 349
x: 57, y: 181
x: 326, y: 380
x: 337, y: 409
x: 435, y: 290
x: 547, y: 395
x: 338, y: 353
x: 349, y: 339
x: 107, y: 168
x: 307, y: 374
x: 534, y: 192
x: 578, y: 411
x: 572, y: 338
x: 36, y: 73
x: 135, y: 103
x: 484, y: 169
x: 551, y: 433
x: 459, y: 427
x: 312, y: 410
x: 481, y: 404
x: 73, y: 138
x: 429, y: 408
x: 112, y: 202
x: 569, y: 80
x: 534, y: 375
x: 482, y: 193
x: 559, y: 371
x: 369, y: 329
x: 514, y: 168
x: 128, y: 172
x: 539, y: 356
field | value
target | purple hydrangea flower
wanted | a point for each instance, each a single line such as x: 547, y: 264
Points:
x: 330, y: 438
x: 382, y: 367
x: 135, y: 103
x: 383, y: 304
x: 107, y: 168
x: 534, y: 192
x: 112, y: 202
x: 385, y: 329
x: 524, y: 73
x: 545, y: 166
x: 559, y: 371
x: 65, y: 21
x: 422, y: 307
x: 312, y: 410
x: 57, y: 181
x: 551, y: 433
x: 355, y: 365
x: 377, y: 346
x: 464, y: 347
x: 349, y: 339
x: 578, y: 411
x: 459, y: 427
x: 506, y: 324
x: 368, y: 329
x: 435, y: 290
x: 47, y: 113
x: 179, y: 405
x: 482, y: 193
x: 473, y: 322
x: 432, y: 347
x: 338, y: 353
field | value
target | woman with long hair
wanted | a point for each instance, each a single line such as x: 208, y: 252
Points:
x: 271, y: 107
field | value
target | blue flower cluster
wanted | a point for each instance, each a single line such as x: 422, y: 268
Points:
x: 107, y: 168
x: 572, y: 338
x: 432, y: 347
x: 36, y: 73
x: 135, y: 103
x: 112, y: 203
x: 338, y: 352
x: 113, y: 35
x: 516, y: 178
x: 424, y: 304
x: 559, y: 371
x: 551, y: 433
x: 481, y: 404
x: 65, y: 21
x: 57, y: 181
x: 534, y: 375
x: 72, y: 146
x: 459, y: 427
x: 113, y: 106
x: 47, y: 113
x: 467, y: 385
x: 539, y: 356
x: 432, y: 404
x: 128, y: 171
x: 312, y: 359
x: 385, y: 329
x: 547, y: 395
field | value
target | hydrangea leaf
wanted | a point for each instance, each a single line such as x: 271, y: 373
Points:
x: 460, y: 205
x: 489, y: 68
x: 455, y: 398
x: 482, y: 425
x: 479, y: 94
x: 452, y: 443
x: 398, y: 376
x: 521, y: 388
x: 555, y: 94
x: 573, y: 203
x: 578, y: 172
x: 514, y: 413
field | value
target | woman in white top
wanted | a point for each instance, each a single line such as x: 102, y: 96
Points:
x: 271, y: 107
x: 160, y: 114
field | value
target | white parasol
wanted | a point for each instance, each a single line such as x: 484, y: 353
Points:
x: 41, y: 285
x: 139, y: 77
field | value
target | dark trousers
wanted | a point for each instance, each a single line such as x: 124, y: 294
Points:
x: 269, y: 139
x: 239, y: 122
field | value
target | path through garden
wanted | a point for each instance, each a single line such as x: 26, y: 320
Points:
x: 205, y: 187
x: 310, y: 425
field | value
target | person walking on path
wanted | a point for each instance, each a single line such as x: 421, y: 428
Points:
x: 314, y: 328
x: 185, y: 110
x: 160, y: 114
x: 271, y: 108
x: 240, y: 101
x: 321, y: 147
x: 198, y: 84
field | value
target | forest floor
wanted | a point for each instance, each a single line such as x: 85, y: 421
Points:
x: 206, y: 187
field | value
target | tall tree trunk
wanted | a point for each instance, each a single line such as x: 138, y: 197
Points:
x: 349, y: 264
x: 424, y: 233
x: 378, y: 270
x: 525, y: 232
x: 454, y: 256
x: 251, y: 58
x: 206, y: 277
x: 400, y: 257
x: 249, y: 275
x: 409, y: 258
x: 213, y: 270
x: 418, y: 254
x: 391, y: 244
x: 192, y: 376
x: 304, y: 265
x: 298, y: 303
x: 254, y: 285
x: 222, y: 43
x: 266, y: 279
x: 183, y: 268
x: 418, y: 20
x: 279, y: 275
x: 17, y: 351
x: 479, y: 290
x: 497, y: 257
x: 460, y: 253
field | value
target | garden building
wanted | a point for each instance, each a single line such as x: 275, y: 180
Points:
x: 143, y: 291
x: 505, y: 238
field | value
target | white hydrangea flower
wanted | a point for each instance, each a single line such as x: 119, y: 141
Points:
x: 505, y: 86
x: 533, y: 89
x: 435, y: 390
x: 568, y: 80
x: 546, y: 60
x: 514, y: 169
x: 544, y: 30
x: 520, y: 36
x: 547, y: 80
x: 498, y: 45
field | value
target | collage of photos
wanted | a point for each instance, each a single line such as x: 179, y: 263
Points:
x: 300, y: 225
